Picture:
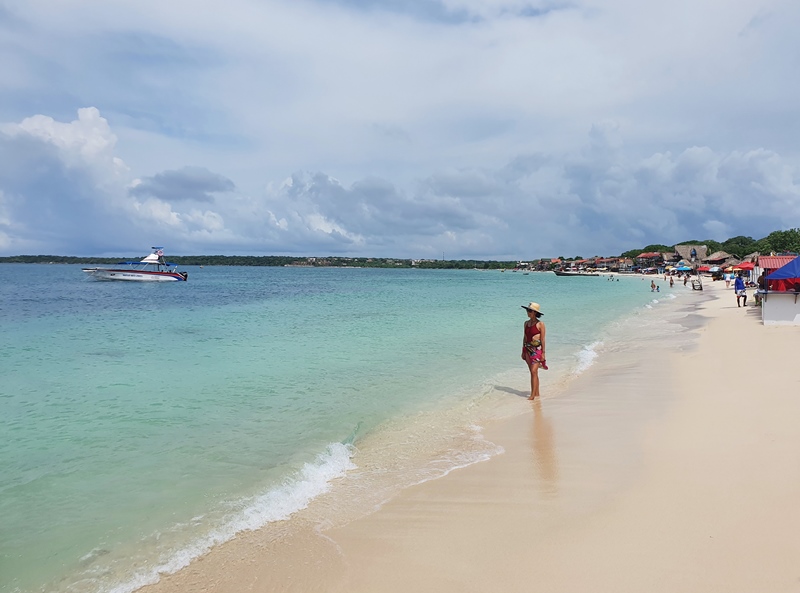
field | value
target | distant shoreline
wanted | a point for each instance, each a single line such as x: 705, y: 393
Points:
x: 275, y: 261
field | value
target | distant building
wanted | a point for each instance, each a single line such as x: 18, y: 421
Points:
x: 650, y: 259
x: 692, y: 255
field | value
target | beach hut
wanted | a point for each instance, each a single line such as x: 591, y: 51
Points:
x: 779, y: 304
x: 691, y: 254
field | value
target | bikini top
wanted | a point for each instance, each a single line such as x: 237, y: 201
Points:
x: 531, y: 331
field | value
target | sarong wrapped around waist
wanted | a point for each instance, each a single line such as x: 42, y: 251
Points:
x: 533, y: 350
x: 533, y: 345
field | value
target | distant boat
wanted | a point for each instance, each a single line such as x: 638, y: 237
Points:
x: 564, y: 273
x: 153, y: 268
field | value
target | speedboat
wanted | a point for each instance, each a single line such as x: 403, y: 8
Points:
x: 573, y: 273
x: 153, y: 268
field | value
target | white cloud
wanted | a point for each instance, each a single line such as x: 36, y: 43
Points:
x: 450, y: 125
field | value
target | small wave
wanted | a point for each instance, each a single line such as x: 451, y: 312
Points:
x: 461, y: 458
x: 93, y: 555
x: 587, y: 356
x: 277, y: 504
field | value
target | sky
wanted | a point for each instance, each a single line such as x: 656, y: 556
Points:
x: 463, y: 129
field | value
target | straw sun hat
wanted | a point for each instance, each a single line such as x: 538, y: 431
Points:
x: 533, y: 307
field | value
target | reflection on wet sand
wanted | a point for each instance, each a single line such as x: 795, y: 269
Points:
x: 544, y: 453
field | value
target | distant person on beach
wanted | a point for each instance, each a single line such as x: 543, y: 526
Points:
x: 739, y: 289
x: 652, y: 286
x: 685, y: 279
x: 533, y: 345
x: 727, y: 277
x: 671, y: 281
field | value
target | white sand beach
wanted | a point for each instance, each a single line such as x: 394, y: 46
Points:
x: 696, y: 490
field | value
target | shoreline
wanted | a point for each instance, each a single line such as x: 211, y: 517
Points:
x: 711, y: 506
x: 591, y: 467
x: 707, y: 502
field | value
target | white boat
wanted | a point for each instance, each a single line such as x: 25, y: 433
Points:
x: 573, y: 273
x: 153, y: 268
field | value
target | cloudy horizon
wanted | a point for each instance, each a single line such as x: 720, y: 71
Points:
x: 481, y: 129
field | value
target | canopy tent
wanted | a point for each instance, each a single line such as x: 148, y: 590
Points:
x: 786, y: 278
x: 790, y: 270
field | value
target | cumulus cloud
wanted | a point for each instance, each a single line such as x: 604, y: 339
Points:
x: 57, y: 179
x: 64, y: 190
x: 481, y: 128
x: 62, y: 185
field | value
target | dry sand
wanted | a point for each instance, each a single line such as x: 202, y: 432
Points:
x: 697, y: 491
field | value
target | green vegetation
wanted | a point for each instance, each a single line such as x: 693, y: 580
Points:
x: 649, y: 249
x: 777, y: 242
x: 272, y: 260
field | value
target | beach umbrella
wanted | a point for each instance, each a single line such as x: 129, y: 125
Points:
x: 683, y: 268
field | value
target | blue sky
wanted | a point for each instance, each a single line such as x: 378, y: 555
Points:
x: 498, y: 129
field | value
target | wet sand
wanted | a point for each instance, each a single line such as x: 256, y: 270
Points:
x: 676, y: 471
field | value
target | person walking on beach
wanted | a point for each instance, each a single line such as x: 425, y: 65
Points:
x: 739, y: 289
x: 533, y: 345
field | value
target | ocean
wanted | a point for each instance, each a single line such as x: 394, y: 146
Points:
x: 143, y: 424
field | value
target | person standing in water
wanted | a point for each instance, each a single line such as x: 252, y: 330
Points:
x: 533, y: 345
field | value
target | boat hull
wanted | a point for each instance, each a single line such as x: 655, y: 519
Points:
x: 559, y: 273
x: 135, y: 275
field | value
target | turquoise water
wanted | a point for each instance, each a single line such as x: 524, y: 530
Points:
x: 142, y: 424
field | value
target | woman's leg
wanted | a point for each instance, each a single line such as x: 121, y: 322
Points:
x: 534, y: 368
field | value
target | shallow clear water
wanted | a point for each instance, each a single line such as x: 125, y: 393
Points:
x: 142, y: 423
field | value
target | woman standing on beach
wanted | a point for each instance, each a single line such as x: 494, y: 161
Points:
x: 533, y: 346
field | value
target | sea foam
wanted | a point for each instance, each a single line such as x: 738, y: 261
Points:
x: 277, y: 504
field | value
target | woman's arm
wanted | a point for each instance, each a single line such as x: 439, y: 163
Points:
x: 524, y: 327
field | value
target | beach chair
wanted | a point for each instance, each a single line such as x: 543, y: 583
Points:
x: 697, y: 284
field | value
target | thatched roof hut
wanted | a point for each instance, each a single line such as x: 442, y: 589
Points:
x: 718, y: 257
x: 692, y: 254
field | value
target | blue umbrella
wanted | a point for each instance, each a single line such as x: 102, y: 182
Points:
x: 683, y: 269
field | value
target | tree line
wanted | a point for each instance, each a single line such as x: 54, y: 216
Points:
x: 272, y: 260
x: 777, y: 242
